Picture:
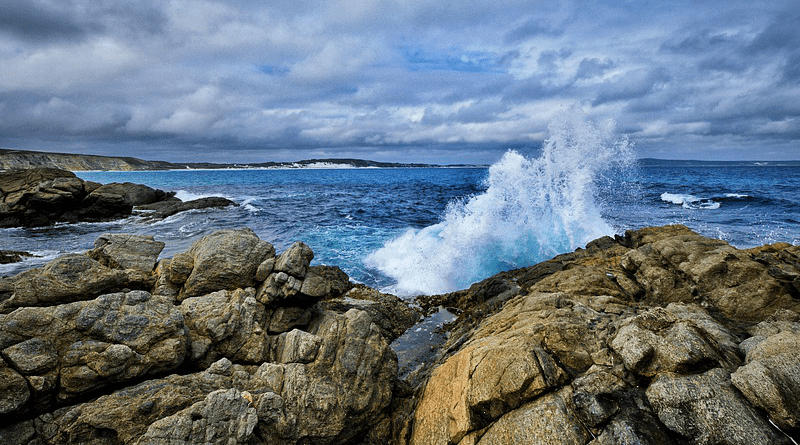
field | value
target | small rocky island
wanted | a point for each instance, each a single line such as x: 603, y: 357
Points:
x: 661, y: 336
x: 43, y: 196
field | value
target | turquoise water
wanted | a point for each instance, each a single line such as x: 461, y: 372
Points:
x: 351, y: 216
x: 432, y: 230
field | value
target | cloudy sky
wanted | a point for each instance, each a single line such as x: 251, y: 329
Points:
x: 396, y: 80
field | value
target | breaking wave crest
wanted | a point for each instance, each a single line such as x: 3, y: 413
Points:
x: 532, y: 209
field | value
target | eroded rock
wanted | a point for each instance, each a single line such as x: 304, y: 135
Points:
x: 226, y: 259
x: 770, y: 377
x: 72, y: 349
x: 706, y: 407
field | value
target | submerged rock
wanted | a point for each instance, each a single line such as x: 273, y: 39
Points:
x: 13, y: 256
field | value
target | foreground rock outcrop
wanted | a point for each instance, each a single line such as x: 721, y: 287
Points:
x: 224, y: 343
x: 43, y: 196
x: 662, y: 336
x: 658, y: 337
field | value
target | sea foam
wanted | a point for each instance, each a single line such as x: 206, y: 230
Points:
x: 532, y: 209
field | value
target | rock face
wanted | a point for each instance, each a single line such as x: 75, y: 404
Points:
x: 649, y: 338
x: 196, y: 358
x: 25, y: 159
x: 639, y: 339
x: 43, y: 196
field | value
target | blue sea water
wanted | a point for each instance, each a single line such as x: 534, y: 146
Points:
x: 432, y: 230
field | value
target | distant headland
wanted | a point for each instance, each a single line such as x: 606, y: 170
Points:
x: 24, y: 159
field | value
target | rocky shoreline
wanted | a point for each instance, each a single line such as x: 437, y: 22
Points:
x: 661, y: 336
x: 44, y: 196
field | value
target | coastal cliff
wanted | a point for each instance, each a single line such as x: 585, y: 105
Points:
x: 656, y: 337
x: 24, y: 159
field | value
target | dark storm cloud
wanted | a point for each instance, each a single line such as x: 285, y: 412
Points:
x: 632, y: 85
x: 782, y: 33
x: 531, y: 28
x: 26, y: 20
x: 593, y: 67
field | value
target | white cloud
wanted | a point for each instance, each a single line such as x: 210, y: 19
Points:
x: 90, y: 64
x: 404, y: 73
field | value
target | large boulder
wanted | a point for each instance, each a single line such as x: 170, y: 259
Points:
x: 229, y: 324
x: 631, y: 340
x: 707, y: 409
x: 14, y: 391
x: 285, y: 276
x: 634, y: 339
x: 224, y: 416
x: 226, y: 259
x: 43, y: 196
x: 530, y: 347
x: 689, y: 267
x: 678, y: 338
x: 37, y: 197
x: 169, y: 207
x: 125, y: 251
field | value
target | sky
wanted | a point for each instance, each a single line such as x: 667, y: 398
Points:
x: 397, y: 81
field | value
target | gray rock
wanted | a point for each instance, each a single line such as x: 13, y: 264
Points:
x: 332, y: 399
x: 163, y: 209
x: 180, y: 267
x: 14, y: 390
x: 72, y: 349
x: 264, y: 269
x: 692, y: 268
x: 707, y: 409
x: 678, y: 338
x: 125, y: 251
x: 546, y: 420
x: 37, y: 197
x: 66, y: 279
x: 226, y: 416
x: 226, y: 259
x: 324, y: 282
x: 163, y: 286
x: 392, y: 315
x: 228, y: 324
x: 770, y: 378
x: 297, y: 346
x: 295, y: 260
x: 130, y: 193
x: 284, y: 319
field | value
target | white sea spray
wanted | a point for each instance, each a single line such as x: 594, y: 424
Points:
x: 532, y: 209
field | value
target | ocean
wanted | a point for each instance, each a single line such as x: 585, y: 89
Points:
x: 432, y: 230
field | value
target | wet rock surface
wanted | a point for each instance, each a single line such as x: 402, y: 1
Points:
x: 43, y: 196
x: 660, y: 336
